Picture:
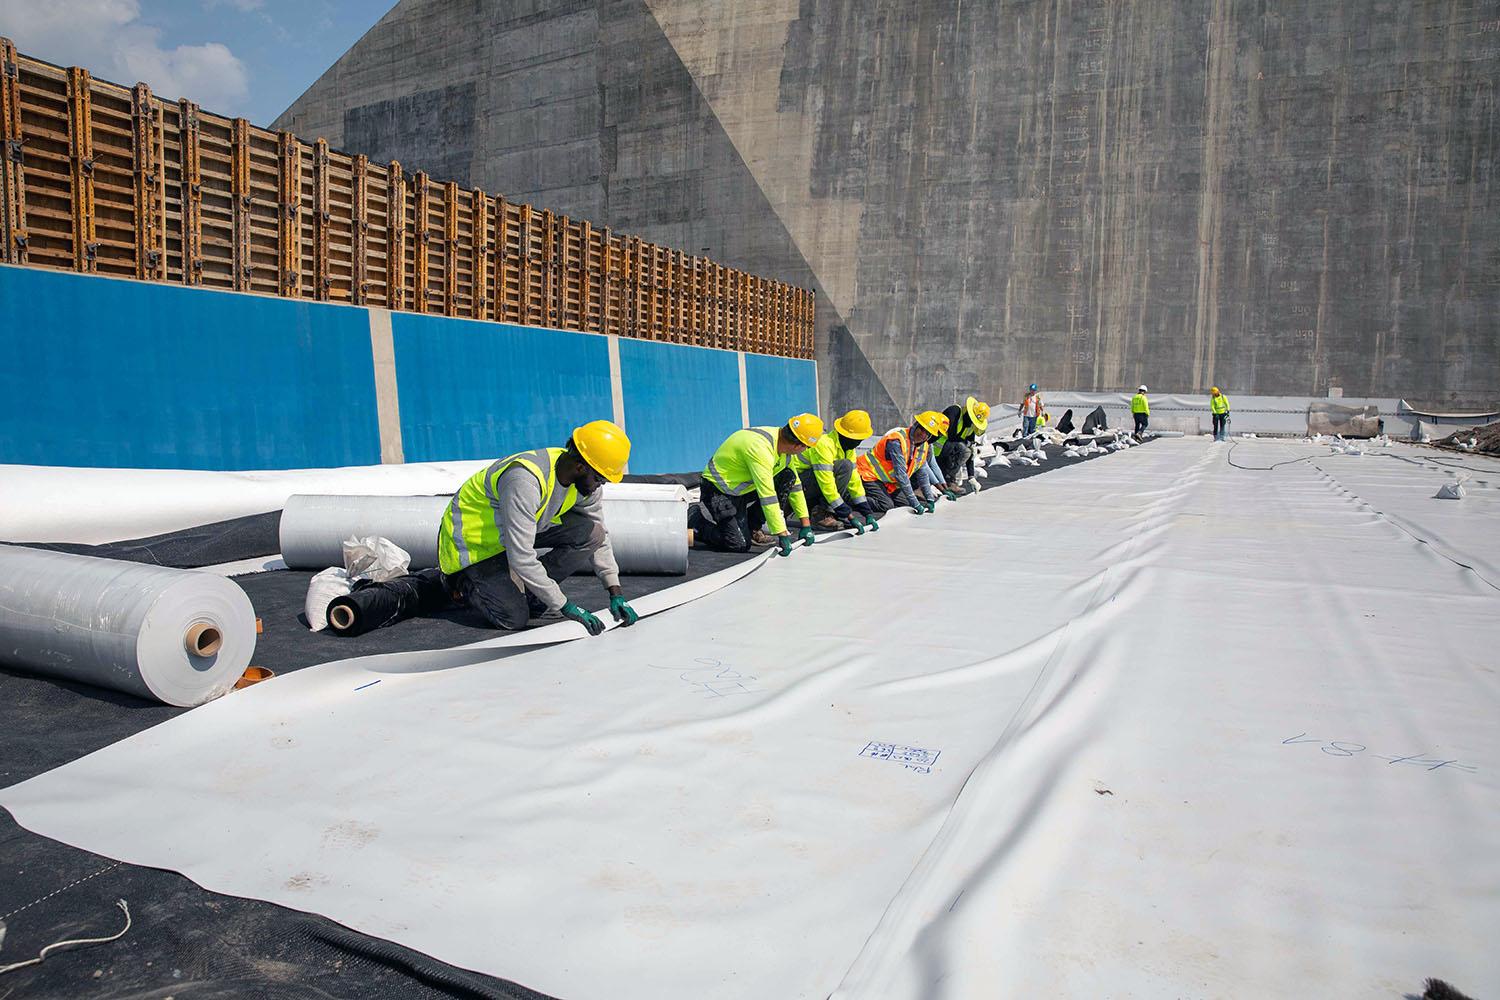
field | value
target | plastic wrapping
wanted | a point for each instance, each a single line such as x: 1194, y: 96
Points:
x: 178, y: 636
x: 647, y: 527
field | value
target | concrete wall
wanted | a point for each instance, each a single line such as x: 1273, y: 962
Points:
x: 1283, y: 197
x: 123, y: 374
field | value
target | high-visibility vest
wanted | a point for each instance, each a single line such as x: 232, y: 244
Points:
x: 819, y: 460
x: 1219, y: 404
x: 876, y: 468
x: 1031, y: 406
x: 747, y: 461
x: 471, y: 530
x: 1138, y: 404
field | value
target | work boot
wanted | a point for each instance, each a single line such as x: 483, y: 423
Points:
x: 828, y: 522
x: 761, y: 538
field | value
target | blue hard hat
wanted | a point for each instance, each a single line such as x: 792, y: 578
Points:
x: 1033, y: 387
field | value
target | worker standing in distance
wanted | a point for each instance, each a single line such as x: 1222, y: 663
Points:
x: 1140, y: 409
x: 830, y: 481
x: 743, y: 484
x: 955, y: 450
x: 1218, y: 405
x: 1031, y: 409
x: 894, y: 470
x: 548, y: 498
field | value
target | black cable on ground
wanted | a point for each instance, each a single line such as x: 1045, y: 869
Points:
x: 1256, y: 468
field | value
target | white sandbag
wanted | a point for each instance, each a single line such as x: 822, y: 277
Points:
x: 375, y: 558
x: 1072, y: 453
x: 322, y: 590
x: 172, y: 635
x: 1000, y: 461
x: 1452, y: 491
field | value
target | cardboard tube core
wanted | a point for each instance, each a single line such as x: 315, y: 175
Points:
x: 203, y: 639
x: 341, y: 616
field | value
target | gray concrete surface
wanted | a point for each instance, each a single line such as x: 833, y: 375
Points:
x: 1276, y: 198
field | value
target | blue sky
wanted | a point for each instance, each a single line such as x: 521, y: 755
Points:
x: 247, y: 58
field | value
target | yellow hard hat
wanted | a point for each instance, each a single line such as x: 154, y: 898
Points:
x: 854, y: 424
x: 806, y: 427
x: 1215, y: 390
x: 933, y: 422
x: 979, y: 413
x: 605, y: 447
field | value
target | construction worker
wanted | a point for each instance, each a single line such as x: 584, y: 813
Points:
x: 744, y: 482
x: 1140, y: 409
x: 894, y: 472
x: 955, y: 450
x: 548, y: 498
x: 830, y: 481
x: 1218, y: 405
x: 1031, y: 410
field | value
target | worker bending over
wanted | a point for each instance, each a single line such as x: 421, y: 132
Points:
x: 1140, y: 409
x: 548, y: 498
x: 1218, y: 405
x: 830, y: 479
x: 744, y: 482
x: 895, y: 469
x: 955, y: 449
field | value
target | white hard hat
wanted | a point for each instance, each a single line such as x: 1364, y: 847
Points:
x: 1143, y: 389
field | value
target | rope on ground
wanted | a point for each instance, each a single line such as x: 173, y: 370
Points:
x: 42, y: 955
x: 1256, y: 468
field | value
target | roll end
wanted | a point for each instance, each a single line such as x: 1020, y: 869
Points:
x: 202, y: 639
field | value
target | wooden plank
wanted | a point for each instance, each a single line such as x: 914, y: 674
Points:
x: 289, y: 241
x: 192, y: 193
x: 395, y: 261
x: 359, y: 288
x: 13, y: 242
x: 242, y: 200
x: 81, y: 155
x: 150, y: 187
x: 450, y: 249
x: 483, y: 250
x: 322, y: 280
x: 422, y: 240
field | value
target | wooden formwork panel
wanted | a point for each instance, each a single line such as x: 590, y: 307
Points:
x: 96, y: 177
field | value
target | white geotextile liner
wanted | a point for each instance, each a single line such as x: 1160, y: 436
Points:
x: 1198, y: 731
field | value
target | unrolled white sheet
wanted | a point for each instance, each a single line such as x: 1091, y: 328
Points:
x: 1141, y: 727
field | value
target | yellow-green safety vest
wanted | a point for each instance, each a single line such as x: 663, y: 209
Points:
x: 748, y: 460
x: 471, y: 531
x: 820, y: 458
x: 1138, y: 404
x: 1219, y: 404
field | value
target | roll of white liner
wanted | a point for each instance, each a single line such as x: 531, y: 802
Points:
x: 171, y: 635
x: 647, y: 527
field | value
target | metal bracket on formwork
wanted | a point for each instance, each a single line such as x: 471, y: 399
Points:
x: 81, y: 157
x: 12, y: 174
x: 150, y: 186
x: 322, y: 282
x: 289, y: 218
x: 419, y: 248
x: 359, y: 231
x: 239, y: 169
x: 450, y: 249
x: 482, y: 250
x: 395, y: 229
x: 192, y: 195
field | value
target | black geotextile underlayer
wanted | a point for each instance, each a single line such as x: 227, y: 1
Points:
x: 187, y: 942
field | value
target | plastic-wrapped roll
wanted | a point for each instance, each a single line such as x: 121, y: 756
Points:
x: 171, y: 635
x: 647, y: 527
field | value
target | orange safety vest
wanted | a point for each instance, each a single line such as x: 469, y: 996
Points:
x: 874, y: 467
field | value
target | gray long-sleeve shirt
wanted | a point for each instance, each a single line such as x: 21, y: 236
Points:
x: 906, y: 486
x: 518, y: 495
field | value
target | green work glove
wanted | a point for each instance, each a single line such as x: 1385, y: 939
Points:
x: 623, y: 612
x: 920, y: 508
x: 582, y: 617
x: 807, y: 536
x: 950, y: 494
x: 929, y: 505
x: 872, y: 524
x: 785, y: 544
x: 857, y: 522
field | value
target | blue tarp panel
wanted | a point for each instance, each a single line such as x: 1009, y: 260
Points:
x: 779, y: 388
x: 680, y: 403
x: 118, y: 373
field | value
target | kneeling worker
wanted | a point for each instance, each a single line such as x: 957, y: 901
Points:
x: 955, y: 450
x: 548, y: 498
x: 895, y: 469
x: 744, y: 482
x: 828, y: 472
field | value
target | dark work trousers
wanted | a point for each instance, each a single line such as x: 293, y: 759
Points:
x: 489, y: 589
x: 1221, y: 426
x: 1141, y: 420
x: 725, y: 523
x: 1028, y: 425
x: 817, y: 504
x: 954, y: 459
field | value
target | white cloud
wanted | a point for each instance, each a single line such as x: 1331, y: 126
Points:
x: 107, y: 38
